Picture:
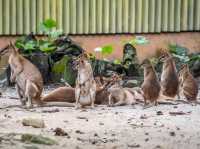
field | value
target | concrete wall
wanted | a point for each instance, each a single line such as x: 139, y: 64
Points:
x: 190, y: 40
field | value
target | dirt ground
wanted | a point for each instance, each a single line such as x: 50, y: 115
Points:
x: 103, y: 127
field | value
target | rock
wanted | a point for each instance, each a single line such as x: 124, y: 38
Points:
x: 106, y: 68
x: 147, y: 133
x: 172, y: 133
x: 63, y: 70
x: 80, y: 139
x: 158, y: 147
x: 143, y: 116
x: 37, y: 139
x: 195, y: 68
x: 7, y: 116
x: 66, y: 46
x: 130, y: 83
x: 4, y: 72
x: 36, y: 123
x: 101, y: 123
x: 130, y: 60
x: 4, y: 80
x: 178, y: 113
x: 60, y: 132
x: 51, y: 111
x: 77, y: 147
x: 79, y: 132
x: 96, y: 135
x: 83, y: 118
x: 93, y: 141
x: 159, y: 113
x: 133, y: 145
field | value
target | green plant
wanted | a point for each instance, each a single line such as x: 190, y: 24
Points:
x: 117, y: 61
x: 179, y: 52
x: 28, y: 47
x: 181, y: 55
x: 45, y: 45
x: 48, y: 27
x: 107, y: 50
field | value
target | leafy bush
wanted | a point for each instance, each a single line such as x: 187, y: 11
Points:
x: 28, y: 47
x: 45, y: 45
x: 48, y: 28
x: 182, y: 56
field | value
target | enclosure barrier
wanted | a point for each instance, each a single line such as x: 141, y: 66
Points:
x: 100, y: 16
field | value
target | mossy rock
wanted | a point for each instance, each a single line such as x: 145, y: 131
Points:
x: 37, y: 139
x: 63, y: 70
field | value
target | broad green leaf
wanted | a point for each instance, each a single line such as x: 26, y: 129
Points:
x: 195, y: 57
x: 107, y: 50
x: 182, y: 58
x: 49, y: 23
x: 176, y: 49
x: 59, y: 66
x: 117, y: 61
x: 47, y: 47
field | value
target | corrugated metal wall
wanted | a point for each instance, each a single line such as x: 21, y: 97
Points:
x: 100, y: 16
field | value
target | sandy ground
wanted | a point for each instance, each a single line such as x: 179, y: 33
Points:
x: 104, y: 127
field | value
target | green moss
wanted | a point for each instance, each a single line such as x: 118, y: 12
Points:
x: 62, y: 69
x: 38, y: 139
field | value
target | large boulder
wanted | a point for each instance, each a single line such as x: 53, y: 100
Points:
x: 63, y: 70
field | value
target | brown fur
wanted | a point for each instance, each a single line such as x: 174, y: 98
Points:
x: 29, y: 82
x: 119, y: 96
x: 169, y: 78
x: 28, y: 79
x: 67, y: 94
x: 188, y: 85
x: 61, y: 94
x: 122, y: 96
x: 150, y: 86
x: 85, y: 90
